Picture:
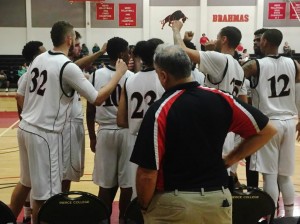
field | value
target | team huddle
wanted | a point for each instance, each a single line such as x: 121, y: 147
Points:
x: 166, y: 132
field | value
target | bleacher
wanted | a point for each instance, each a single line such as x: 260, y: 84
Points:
x: 10, y: 65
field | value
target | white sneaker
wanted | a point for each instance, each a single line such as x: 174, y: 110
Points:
x: 6, y: 90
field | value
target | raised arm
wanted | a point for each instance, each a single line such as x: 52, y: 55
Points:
x: 122, y: 116
x: 193, y: 54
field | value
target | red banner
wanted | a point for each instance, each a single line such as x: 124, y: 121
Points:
x: 105, y: 11
x: 127, y: 14
x: 276, y: 10
x: 293, y: 13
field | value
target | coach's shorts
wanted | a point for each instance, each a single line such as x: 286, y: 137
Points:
x: 73, y: 150
x: 40, y: 160
x: 112, y: 166
x: 278, y: 155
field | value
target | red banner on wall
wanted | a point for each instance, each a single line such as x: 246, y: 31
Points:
x: 127, y: 14
x: 276, y: 10
x: 294, y: 10
x: 105, y: 11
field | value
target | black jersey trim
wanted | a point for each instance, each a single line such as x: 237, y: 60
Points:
x: 148, y: 69
x: 296, y: 68
x: 273, y: 56
x: 55, y: 53
x: 224, y: 73
x: 126, y: 95
x: 93, y: 78
x: 110, y: 68
x: 60, y: 80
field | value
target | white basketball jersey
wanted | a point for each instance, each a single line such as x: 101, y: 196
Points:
x: 222, y: 72
x: 142, y: 89
x: 106, y: 114
x: 273, y: 91
x: 46, y: 106
x: 198, y: 76
x: 76, y: 110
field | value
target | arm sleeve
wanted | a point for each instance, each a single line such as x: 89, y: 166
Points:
x: 247, y: 120
x: 74, y: 77
x: 22, y: 84
x: 213, y: 63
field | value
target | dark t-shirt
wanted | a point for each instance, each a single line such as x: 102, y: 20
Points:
x: 183, y: 133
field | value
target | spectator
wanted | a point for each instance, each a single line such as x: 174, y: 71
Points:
x: 203, y: 41
x: 84, y: 50
x: 95, y: 48
x: 3, y: 77
x: 287, y: 49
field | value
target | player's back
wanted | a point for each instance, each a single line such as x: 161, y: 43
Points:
x: 274, y: 89
x: 45, y: 105
x: 106, y: 114
x: 230, y: 80
x: 142, y: 89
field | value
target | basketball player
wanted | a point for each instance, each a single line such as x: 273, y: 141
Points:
x: 48, y: 98
x: 29, y: 52
x: 275, y: 83
x: 111, y: 167
x: 73, y: 132
x: 139, y: 92
x: 222, y: 70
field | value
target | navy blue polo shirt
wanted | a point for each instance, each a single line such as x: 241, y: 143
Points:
x: 183, y: 133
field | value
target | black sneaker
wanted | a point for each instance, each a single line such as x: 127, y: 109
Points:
x: 26, y: 220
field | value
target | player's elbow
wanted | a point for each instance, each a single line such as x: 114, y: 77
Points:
x: 121, y: 122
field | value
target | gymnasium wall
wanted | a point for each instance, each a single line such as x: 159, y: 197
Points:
x: 25, y: 20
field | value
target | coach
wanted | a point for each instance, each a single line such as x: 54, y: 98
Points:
x: 181, y: 175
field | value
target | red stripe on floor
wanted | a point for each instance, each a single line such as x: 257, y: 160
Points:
x: 8, y: 118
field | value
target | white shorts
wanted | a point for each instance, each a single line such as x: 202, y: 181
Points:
x: 73, y: 150
x: 112, y: 166
x: 41, y: 160
x: 278, y: 155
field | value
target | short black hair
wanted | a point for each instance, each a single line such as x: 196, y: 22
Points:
x: 59, y: 31
x: 273, y: 36
x: 115, y: 46
x: 30, y: 50
x: 260, y: 31
x: 77, y: 35
x: 146, y: 49
x: 233, y: 35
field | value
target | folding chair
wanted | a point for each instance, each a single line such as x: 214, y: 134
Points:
x: 287, y: 220
x: 6, y: 215
x: 133, y: 214
x: 250, y: 205
x: 74, y: 207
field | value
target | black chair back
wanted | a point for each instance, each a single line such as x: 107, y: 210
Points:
x: 74, y: 207
x: 250, y: 205
x: 287, y: 220
x: 133, y: 214
x: 6, y: 215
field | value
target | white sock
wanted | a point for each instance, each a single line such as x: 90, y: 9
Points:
x: 27, y: 212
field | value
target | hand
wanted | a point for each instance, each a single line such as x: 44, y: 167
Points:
x: 130, y: 64
x: 210, y: 45
x: 176, y: 25
x: 121, y: 66
x: 298, y: 130
x: 93, y: 145
x: 188, y: 35
x: 103, y: 48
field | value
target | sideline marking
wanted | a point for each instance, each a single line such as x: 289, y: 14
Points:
x: 9, y: 128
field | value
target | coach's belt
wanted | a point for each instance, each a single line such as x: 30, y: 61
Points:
x: 202, y: 189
